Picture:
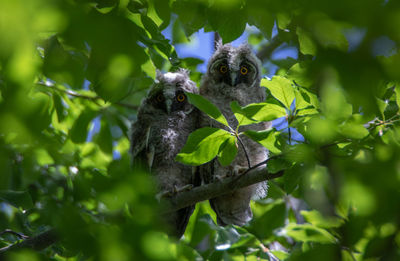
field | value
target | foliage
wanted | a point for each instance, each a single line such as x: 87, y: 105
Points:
x: 67, y: 66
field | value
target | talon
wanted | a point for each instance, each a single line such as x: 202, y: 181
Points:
x: 185, y: 188
x: 238, y: 170
x: 164, y: 194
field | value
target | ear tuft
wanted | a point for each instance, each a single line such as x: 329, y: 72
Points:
x: 159, y: 76
x: 184, y: 72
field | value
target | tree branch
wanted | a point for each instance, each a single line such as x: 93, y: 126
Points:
x: 9, y: 231
x: 38, y: 242
x: 94, y: 99
x: 252, y: 176
x: 227, y: 185
x: 266, y: 51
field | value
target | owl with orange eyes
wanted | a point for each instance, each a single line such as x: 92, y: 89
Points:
x: 234, y: 74
x: 165, y: 119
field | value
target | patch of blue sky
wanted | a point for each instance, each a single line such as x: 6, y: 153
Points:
x: 116, y: 153
x: 384, y: 46
x: 354, y: 37
x: 94, y: 128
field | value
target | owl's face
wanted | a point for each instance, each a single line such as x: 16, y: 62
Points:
x: 234, y: 67
x: 167, y: 95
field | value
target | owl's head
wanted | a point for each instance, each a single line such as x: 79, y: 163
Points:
x: 234, y: 67
x: 167, y: 94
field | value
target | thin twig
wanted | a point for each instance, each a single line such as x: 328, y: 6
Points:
x: 38, y: 242
x: 245, y: 151
x: 9, y: 231
x: 94, y: 99
x: 267, y: 50
x: 262, y: 163
x: 129, y: 106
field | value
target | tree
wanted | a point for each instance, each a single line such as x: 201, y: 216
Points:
x: 69, y: 193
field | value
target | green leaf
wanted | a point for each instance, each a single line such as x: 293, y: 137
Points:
x: 241, y: 116
x: 79, y: 130
x: 207, y: 107
x: 192, y: 14
x: 281, y: 88
x: 382, y: 106
x: 228, y: 151
x: 163, y: 10
x: 268, y: 217
x: 328, y: 33
x: 264, y: 111
x: 283, y: 20
x: 104, y: 137
x: 307, y: 45
x: 291, y: 178
x: 17, y: 198
x: 307, y: 111
x: 309, y: 233
x: 202, y: 146
x: 353, y: 130
x: 267, y: 138
x: 58, y: 107
x: 275, y: 165
x: 301, y: 103
x: 299, y: 74
x: 334, y: 104
x: 260, y: 16
x: 315, y: 218
x: 228, y: 20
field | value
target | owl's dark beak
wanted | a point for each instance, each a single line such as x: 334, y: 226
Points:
x: 168, y: 104
x: 233, y: 79
x: 236, y: 81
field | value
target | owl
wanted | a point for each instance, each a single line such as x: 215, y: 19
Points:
x: 234, y: 74
x: 165, y: 119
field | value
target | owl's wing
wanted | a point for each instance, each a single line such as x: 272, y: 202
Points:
x: 142, y: 152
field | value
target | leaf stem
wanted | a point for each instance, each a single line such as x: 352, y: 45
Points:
x: 87, y: 97
x: 9, y: 231
x: 244, y: 149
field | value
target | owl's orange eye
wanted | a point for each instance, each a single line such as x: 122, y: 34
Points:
x: 223, y: 68
x: 160, y: 98
x: 180, y: 97
x: 244, y: 70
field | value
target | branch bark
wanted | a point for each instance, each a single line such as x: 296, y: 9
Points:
x: 266, y: 51
x: 256, y: 174
x: 227, y: 185
x: 38, y: 242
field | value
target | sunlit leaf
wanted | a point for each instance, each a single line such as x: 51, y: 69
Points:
x: 17, y: 198
x: 203, y: 145
x: 353, y: 130
x: 228, y: 151
x: 281, y: 88
x: 267, y: 138
x: 309, y: 233
x: 207, y: 107
x: 316, y: 218
x: 79, y: 130
x: 258, y: 112
x: 240, y: 115
x: 307, y: 45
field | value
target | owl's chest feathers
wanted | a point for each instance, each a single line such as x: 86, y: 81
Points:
x: 170, y: 136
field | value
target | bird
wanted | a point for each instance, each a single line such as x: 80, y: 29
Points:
x: 234, y: 74
x: 165, y: 119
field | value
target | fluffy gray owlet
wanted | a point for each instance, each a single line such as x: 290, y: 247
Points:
x: 234, y: 74
x: 164, y: 121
